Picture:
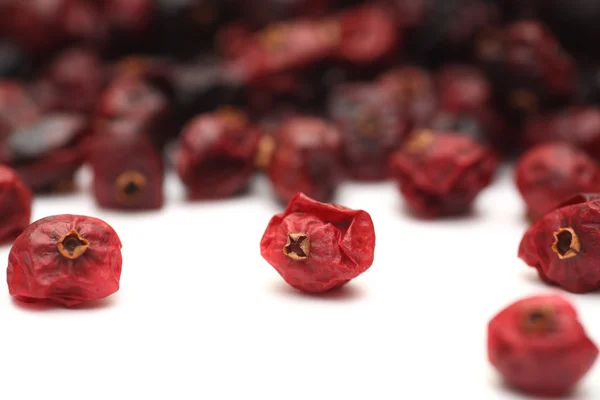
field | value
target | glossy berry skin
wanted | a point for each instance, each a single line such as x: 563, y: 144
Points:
x: 372, y: 127
x: 47, y: 153
x: 128, y: 169
x: 15, y: 206
x: 215, y: 155
x: 17, y: 107
x: 578, y: 126
x: 550, y: 173
x: 66, y: 259
x: 306, y: 159
x: 441, y: 173
x: 539, y: 346
x: 562, y: 246
x: 316, y: 247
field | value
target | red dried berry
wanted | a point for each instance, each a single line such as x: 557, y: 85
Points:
x: 306, y: 159
x: 48, y: 153
x: 549, y: 173
x: 67, y: 259
x: 17, y: 108
x: 216, y: 153
x: 372, y: 127
x: 128, y: 169
x: 562, y: 246
x: 317, y: 247
x: 539, y: 346
x: 578, y: 126
x: 15, y: 207
x: 579, y: 198
x: 441, y: 173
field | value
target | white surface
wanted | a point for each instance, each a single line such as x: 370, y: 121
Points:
x: 201, y: 315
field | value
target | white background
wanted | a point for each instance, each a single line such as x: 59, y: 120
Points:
x: 200, y: 315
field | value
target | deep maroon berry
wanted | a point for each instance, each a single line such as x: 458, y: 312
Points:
x: 539, y: 346
x: 15, y: 207
x: 216, y: 153
x: 548, y: 174
x: 48, y: 152
x: 306, y: 159
x: 441, y: 173
x: 127, y: 167
x: 67, y: 259
x: 17, y: 107
x: 317, y: 247
x: 372, y: 127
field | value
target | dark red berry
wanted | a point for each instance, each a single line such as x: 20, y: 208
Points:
x: 127, y: 168
x: 549, y: 173
x: 67, y: 259
x: 48, y: 153
x: 15, y: 207
x: 316, y: 247
x: 578, y: 198
x: 441, y: 173
x: 306, y: 159
x: 372, y: 127
x: 216, y: 153
x: 562, y: 246
x: 577, y: 125
x: 17, y: 108
x: 539, y: 346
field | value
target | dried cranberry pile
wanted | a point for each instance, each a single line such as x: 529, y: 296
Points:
x: 431, y: 95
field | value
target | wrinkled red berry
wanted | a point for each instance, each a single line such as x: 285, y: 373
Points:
x: 539, y: 346
x: 15, y: 207
x: 48, y: 153
x: 562, y: 246
x: 306, y: 159
x: 127, y: 168
x: 216, y: 153
x: 316, y: 247
x: 67, y: 259
x: 441, y: 173
x: 578, y: 126
x: 579, y: 198
x: 372, y: 127
x: 549, y: 173
x: 17, y: 107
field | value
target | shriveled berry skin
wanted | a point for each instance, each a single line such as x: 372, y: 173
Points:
x: 128, y: 169
x: 563, y: 247
x: 15, y: 205
x: 306, y: 159
x: 441, y: 173
x: 47, y: 153
x: 215, y: 155
x: 549, y: 173
x: 578, y: 198
x: 40, y: 269
x: 577, y: 125
x: 372, y: 127
x: 539, y: 346
x: 338, y: 244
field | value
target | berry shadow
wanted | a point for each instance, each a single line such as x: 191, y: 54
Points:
x: 467, y: 216
x: 46, y: 305
x: 578, y: 394
x: 345, y: 293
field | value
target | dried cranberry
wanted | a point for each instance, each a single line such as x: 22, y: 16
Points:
x: 72, y: 83
x: 48, y: 153
x: 317, y: 247
x: 441, y: 173
x: 17, y: 107
x: 414, y: 91
x: 577, y: 125
x: 216, y: 153
x: 371, y: 125
x: 15, y: 208
x: 528, y: 67
x: 306, y: 159
x: 549, y: 173
x: 130, y: 98
x: 128, y: 21
x: 578, y: 199
x: 368, y: 35
x: 466, y: 105
x: 67, y: 259
x: 539, y: 346
x: 127, y: 168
